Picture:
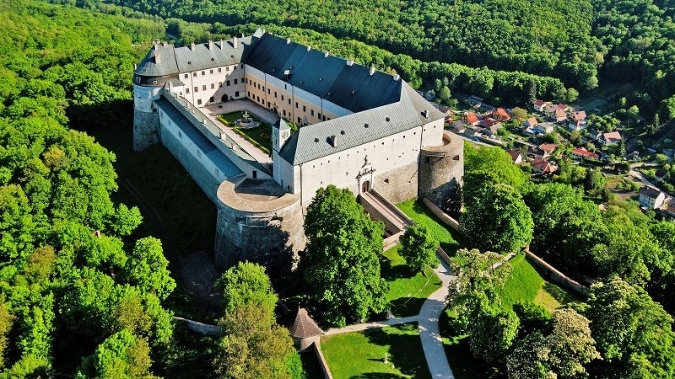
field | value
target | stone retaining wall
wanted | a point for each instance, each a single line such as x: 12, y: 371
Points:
x: 552, y: 274
x: 438, y: 212
x: 322, y: 361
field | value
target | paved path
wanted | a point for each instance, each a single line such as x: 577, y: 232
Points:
x: 427, y: 321
x: 428, y: 325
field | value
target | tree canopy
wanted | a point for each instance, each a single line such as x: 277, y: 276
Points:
x: 341, y: 258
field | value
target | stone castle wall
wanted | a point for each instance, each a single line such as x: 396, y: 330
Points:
x: 146, y: 125
x: 398, y: 185
x: 441, y: 169
x: 192, y: 164
x: 269, y: 232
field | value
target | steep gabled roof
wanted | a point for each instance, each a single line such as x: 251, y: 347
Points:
x: 319, y: 140
x: 650, y: 192
x: 304, y: 326
x: 351, y: 86
x: 166, y: 59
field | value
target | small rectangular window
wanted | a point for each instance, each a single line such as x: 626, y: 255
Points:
x: 296, y: 105
x: 282, y: 97
x: 203, y: 73
x: 199, y: 101
x: 186, y: 76
x: 263, y: 89
x: 194, y: 74
x: 235, y: 81
x: 187, y: 90
x: 227, y: 83
x: 268, y: 91
x: 312, y: 112
x: 211, y: 71
x: 213, y: 85
x: 227, y: 69
x: 304, y: 108
x: 220, y: 69
x: 236, y: 94
x: 204, y: 87
x: 275, y: 94
x: 196, y: 89
x: 211, y: 100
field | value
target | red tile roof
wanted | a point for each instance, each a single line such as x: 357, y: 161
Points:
x: 502, y: 114
x: 580, y: 151
x: 539, y: 103
x: 548, y: 147
x: 470, y: 118
x: 544, y: 166
x: 612, y: 136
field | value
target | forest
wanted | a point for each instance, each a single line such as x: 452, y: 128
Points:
x: 83, y: 294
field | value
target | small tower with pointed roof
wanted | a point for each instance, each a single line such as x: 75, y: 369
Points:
x: 305, y: 331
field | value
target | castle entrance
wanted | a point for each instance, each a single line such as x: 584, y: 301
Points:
x: 365, y: 187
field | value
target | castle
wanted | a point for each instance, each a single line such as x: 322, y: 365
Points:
x: 360, y: 129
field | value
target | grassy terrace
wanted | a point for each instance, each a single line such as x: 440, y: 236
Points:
x: 525, y: 284
x: 260, y: 136
x: 407, y: 290
x: 361, y: 354
x: 449, y: 239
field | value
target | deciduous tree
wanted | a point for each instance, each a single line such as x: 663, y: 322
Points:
x: 418, y: 247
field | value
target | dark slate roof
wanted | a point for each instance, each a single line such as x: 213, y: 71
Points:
x: 166, y: 59
x: 304, y: 326
x: 223, y: 163
x: 351, y: 87
x: 315, y: 141
x: 650, y: 192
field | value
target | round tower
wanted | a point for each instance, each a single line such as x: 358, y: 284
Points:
x: 258, y: 221
x: 157, y: 68
x: 441, y: 171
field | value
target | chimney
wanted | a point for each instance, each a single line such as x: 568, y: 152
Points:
x: 235, y: 42
x: 350, y: 62
x: 135, y: 66
x: 397, y: 77
x: 325, y: 55
x: 157, y: 58
x: 425, y: 113
x: 193, y: 46
x: 309, y: 48
x: 288, y: 41
x: 210, y: 45
x: 222, y: 43
x: 333, y: 140
x: 372, y: 71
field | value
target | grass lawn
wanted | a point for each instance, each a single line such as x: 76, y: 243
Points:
x: 260, y: 135
x: 525, y: 284
x: 407, y: 290
x: 361, y: 354
x: 449, y: 239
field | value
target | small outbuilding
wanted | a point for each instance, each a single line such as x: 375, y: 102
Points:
x: 305, y: 331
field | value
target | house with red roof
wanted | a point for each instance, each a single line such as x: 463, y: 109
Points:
x: 471, y: 118
x: 516, y: 156
x: 543, y: 166
x: 501, y: 114
x: 610, y: 138
x: 540, y: 105
x: 582, y: 153
x: 548, y: 148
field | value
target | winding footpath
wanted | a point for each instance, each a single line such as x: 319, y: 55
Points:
x: 427, y: 323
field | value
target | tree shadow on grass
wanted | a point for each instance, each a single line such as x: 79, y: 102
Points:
x: 562, y: 296
x: 391, y: 272
x: 378, y: 375
x: 405, y: 350
x: 407, y: 306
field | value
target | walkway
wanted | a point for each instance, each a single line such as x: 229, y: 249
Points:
x: 212, y: 111
x: 427, y: 321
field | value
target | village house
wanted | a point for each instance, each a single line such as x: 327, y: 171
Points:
x: 540, y: 105
x: 651, y: 198
x: 610, y: 138
x: 582, y: 153
x: 501, y: 114
x: 543, y: 166
x: 516, y: 156
x: 470, y: 118
x: 577, y: 120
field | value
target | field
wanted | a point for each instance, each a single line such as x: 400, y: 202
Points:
x: 362, y: 354
x: 407, y: 290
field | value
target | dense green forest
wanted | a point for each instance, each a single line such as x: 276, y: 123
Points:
x: 79, y: 294
x: 581, y: 43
